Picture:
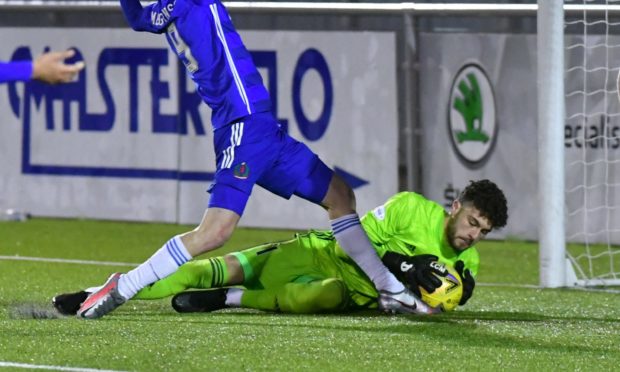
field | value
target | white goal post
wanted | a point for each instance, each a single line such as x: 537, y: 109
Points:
x: 579, y: 174
x: 550, y: 44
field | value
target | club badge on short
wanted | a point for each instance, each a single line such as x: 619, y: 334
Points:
x: 241, y: 171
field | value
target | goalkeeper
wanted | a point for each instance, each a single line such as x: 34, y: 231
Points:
x: 311, y: 273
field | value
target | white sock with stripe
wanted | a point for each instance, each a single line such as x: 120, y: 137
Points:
x: 161, y: 264
x: 354, y: 241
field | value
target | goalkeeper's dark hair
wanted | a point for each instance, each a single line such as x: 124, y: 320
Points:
x: 488, y: 199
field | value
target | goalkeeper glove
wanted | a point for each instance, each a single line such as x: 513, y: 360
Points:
x: 468, y: 281
x: 414, y: 271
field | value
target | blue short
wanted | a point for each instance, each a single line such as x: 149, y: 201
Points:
x: 255, y: 150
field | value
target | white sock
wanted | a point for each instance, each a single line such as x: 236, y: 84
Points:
x: 233, y: 297
x: 354, y: 241
x: 161, y: 264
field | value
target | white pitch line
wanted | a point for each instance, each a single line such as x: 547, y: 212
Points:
x: 511, y: 285
x: 63, y: 260
x: 109, y: 263
x: 533, y: 286
x: 53, y: 368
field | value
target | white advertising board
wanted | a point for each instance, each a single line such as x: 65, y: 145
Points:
x: 479, y: 115
x: 128, y: 139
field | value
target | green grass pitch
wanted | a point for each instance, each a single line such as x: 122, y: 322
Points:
x: 508, y: 324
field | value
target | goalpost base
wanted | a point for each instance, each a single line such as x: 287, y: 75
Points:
x: 573, y: 281
x: 571, y: 276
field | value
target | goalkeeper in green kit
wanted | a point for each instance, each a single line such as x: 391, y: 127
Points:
x: 311, y: 273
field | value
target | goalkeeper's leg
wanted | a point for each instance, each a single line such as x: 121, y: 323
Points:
x: 208, y: 273
x: 328, y: 295
x: 232, y: 269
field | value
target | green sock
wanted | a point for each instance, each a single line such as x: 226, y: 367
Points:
x: 209, y: 273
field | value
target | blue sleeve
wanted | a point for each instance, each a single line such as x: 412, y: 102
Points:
x: 15, y: 71
x: 140, y: 18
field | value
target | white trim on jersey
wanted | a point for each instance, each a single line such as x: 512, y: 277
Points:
x: 233, y: 68
x: 236, y: 132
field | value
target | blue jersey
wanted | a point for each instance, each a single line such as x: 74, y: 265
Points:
x: 15, y: 71
x: 201, y: 33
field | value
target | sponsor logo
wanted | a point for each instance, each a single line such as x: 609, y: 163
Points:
x: 438, y: 266
x: 472, y: 124
x: 595, y: 133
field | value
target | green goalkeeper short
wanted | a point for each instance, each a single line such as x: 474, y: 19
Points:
x: 305, y: 258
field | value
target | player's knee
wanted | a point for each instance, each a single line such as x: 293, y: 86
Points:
x: 207, y: 238
x: 340, y: 198
x: 333, y: 295
x: 218, y: 235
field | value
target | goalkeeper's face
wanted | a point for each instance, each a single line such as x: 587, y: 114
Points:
x: 465, y: 226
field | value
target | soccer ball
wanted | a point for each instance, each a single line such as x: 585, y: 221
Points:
x: 448, y: 295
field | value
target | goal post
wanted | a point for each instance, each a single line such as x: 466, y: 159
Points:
x: 579, y: 142
x: 551, y: 115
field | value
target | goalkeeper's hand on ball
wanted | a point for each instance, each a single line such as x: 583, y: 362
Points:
x: 467, y: 279
x: 415, y: 271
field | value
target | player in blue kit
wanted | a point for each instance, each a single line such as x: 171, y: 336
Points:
x: 250, y: 148
x: 49, y: 67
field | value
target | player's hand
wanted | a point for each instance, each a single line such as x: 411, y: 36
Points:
x: 468, y: 281
x: 415, y: 271
x: 51, y: 68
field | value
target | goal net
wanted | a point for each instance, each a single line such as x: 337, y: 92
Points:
x: 592, y: 142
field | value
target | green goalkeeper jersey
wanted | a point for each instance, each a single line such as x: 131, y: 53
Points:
x: 410, y: 224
